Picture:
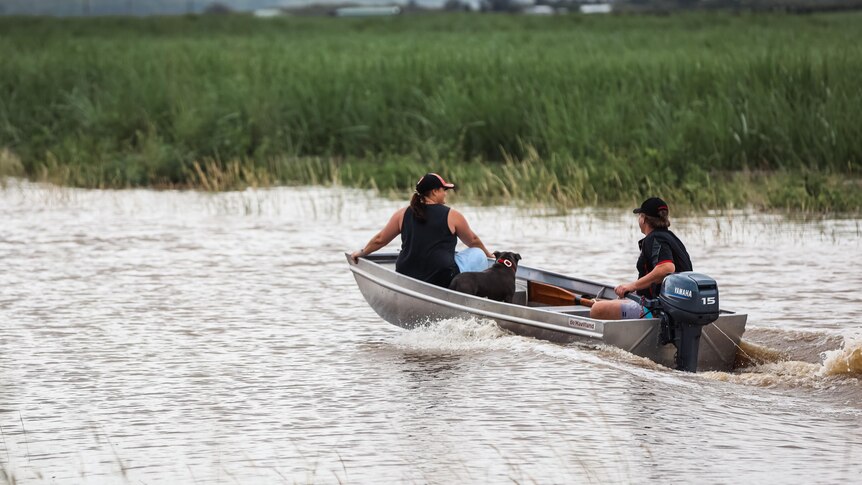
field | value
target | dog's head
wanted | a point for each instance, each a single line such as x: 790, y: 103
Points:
x: 507, y: 259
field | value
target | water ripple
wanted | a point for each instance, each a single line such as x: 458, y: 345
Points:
x: 184, y: 337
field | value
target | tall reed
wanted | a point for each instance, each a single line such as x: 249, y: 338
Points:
x: 622, y: 103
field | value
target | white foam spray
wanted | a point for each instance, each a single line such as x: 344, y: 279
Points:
x: 846, y: 361
x: 456, y: 335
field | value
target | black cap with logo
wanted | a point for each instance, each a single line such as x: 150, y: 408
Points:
x: 431, y: 181
x: 651, y: 207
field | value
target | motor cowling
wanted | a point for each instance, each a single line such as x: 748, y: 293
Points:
x: 688, y: 302
x: 690, y: 297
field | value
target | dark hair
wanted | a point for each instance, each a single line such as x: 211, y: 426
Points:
x: 660, y: 222
x: 417, y: 205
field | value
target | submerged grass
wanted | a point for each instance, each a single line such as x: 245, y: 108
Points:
x: 712, y: 110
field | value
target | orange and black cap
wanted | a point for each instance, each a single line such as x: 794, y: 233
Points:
x: 431, y: 181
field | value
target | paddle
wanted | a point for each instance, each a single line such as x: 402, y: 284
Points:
x: 554, y: 295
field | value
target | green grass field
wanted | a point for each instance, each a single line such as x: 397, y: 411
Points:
x: 711, y: 110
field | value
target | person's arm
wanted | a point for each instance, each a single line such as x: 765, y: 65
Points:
x: 653, y: 277
x: 459, y: 225
x: 661, y: 259
x: 382, y: 238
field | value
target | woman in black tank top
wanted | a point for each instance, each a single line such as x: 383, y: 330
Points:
x: 429, y: 232
x: 428, y: 246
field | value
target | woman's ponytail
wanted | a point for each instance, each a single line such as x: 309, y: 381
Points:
x: 417, y: 205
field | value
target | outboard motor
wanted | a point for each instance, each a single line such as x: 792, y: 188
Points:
x: 688, y: 301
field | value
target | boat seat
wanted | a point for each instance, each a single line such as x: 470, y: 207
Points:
x: 583, y: 312
x: 520, y: 297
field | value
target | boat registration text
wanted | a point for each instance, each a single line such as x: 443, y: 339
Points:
x: 575, y: 323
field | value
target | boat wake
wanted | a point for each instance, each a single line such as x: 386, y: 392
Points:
x: 797, y: 359
x: 466, y: 335
x: 770, y: 358
x: 458, y: 335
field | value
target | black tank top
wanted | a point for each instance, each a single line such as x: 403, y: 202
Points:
x: 428, y: 248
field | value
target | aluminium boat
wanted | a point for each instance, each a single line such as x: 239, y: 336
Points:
x: 408, y: 303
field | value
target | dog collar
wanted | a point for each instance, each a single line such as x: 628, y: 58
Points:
x: 505, y: 262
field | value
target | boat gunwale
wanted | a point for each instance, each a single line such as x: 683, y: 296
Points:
x: 376, y: 259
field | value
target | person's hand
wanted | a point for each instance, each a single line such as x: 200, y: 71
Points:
x: 355, y: 255
x: 621, y: 290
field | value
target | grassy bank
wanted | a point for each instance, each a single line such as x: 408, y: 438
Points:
x: 717, y: 110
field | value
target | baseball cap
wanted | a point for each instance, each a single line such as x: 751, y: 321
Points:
x: 651, y: 207
x: 431, y: 181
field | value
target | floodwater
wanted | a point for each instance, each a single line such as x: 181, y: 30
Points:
x: 184, y: 337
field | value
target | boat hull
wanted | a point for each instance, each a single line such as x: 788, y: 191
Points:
x: 408, y: 303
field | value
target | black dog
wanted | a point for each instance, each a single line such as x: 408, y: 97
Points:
x: 496, y: 282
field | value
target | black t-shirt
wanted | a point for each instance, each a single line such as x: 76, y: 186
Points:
x: 428, y: 248
x: 661, y: 246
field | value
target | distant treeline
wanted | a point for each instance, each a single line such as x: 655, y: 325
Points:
x: 123, y: 7
x: 791, y: 6
x: 179, y: 7
x: 716, y: 109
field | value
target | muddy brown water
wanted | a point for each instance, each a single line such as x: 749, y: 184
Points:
x: 183, y: 337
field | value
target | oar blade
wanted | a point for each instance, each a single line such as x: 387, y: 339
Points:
x: 546, y: 294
